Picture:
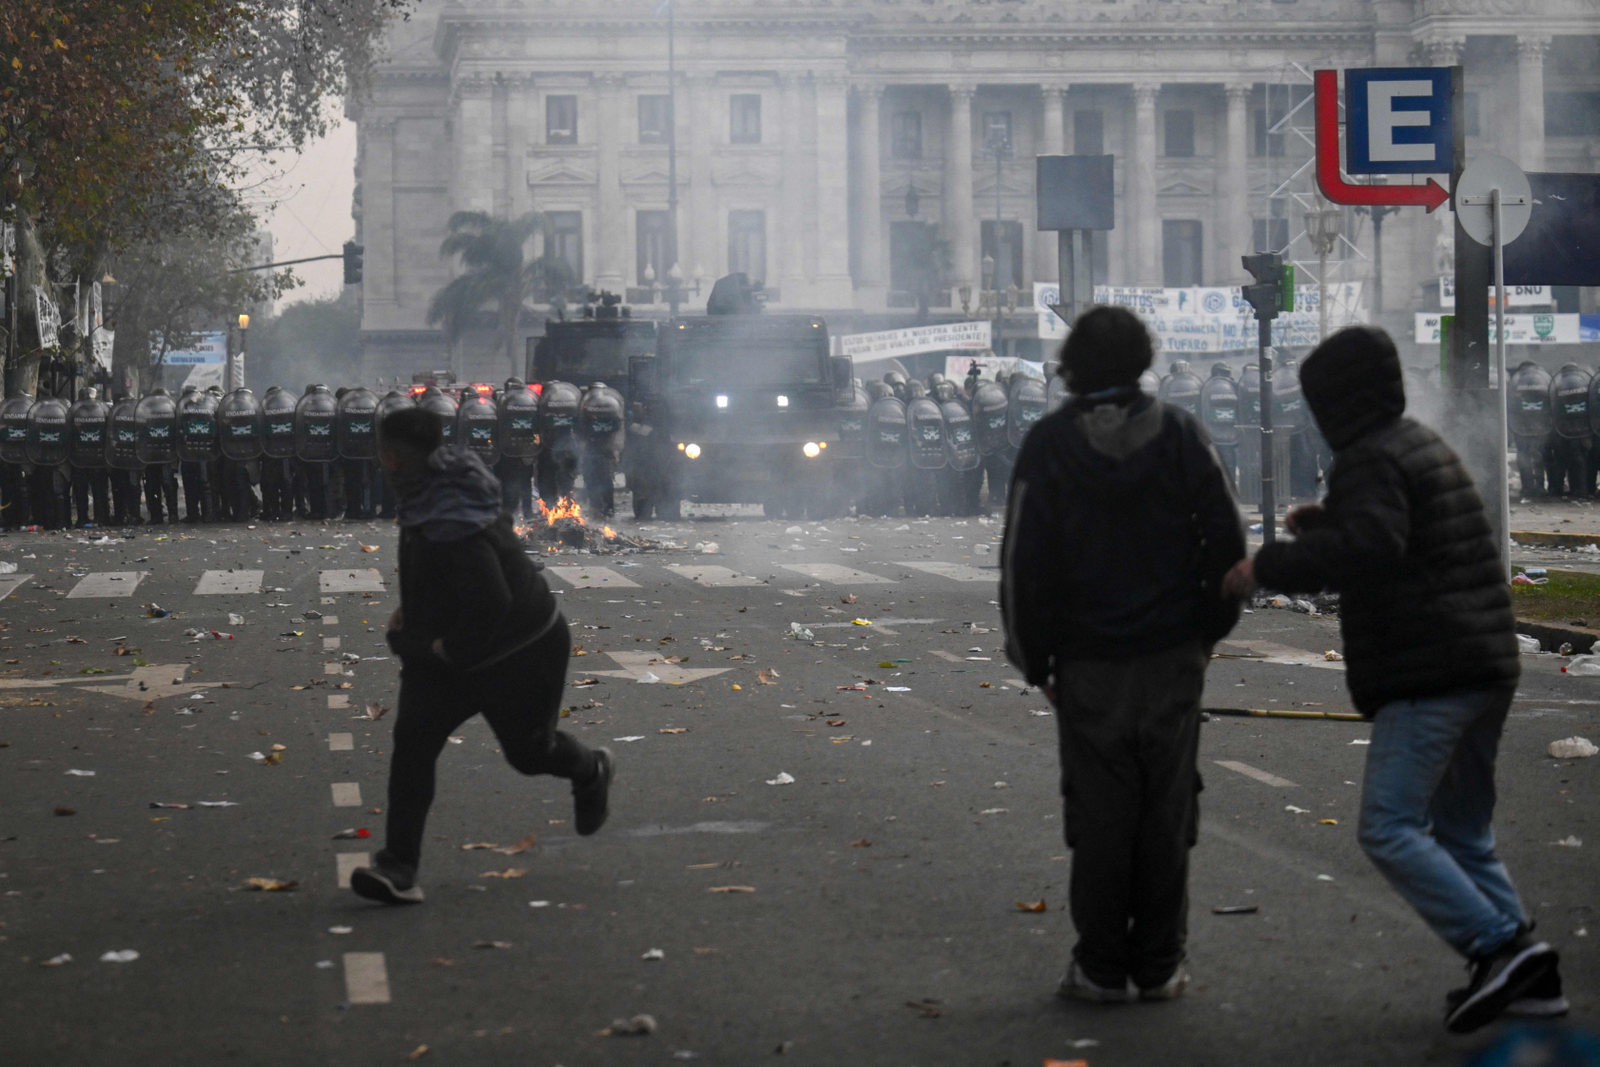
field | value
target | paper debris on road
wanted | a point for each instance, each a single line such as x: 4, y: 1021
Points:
x: 766, y: 675
x: 801, y: 633
x: 126, y: 955
x: 421, y: 1050
x: 638, y: 1026
x: 374, y: 712
x: 469, y: 846
x: 81, y: 774
x: 1361, y: 741
x: 216, y: 803
x: 1573, y: 748
x: 1236, y: 909
x: 270, y: 885
x: 654, y: 954
x: 630, y: 737
x: 235, y: 620
x: 341, y: 930
x: 1528, y: 645
x: 56, y: 961
x: 1035, y: 906
x: 1333, y: 657
x: 784, y: 778
x: 731, y: 889
x: 164, y: 804
x: 352, y: 834
x: 1571, y: 841
x: 1297, y: 811
x: 649, y: 678
x: 491, y: 944
x: 509, y: 872
x: 521, y: 846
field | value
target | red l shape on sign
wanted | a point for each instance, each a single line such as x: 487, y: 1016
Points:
x: 1330, y: 178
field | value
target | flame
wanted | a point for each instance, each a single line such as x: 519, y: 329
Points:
x: 566, y: 508
x: 608, y: 531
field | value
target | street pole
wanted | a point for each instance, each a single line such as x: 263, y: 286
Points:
x: 996, y: 341
x: 1322, y: 292
x: 1500, y: 372
x: 238, y: 357
x: 1269, y: 503
x: 674, y: 295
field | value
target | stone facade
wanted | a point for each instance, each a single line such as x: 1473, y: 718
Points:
x: 803, y: 125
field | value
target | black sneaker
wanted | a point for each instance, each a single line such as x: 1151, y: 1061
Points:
x: 590, y: 802
x: 1541, y: 1000
x: 385, y: 883
x: 1498, y: 980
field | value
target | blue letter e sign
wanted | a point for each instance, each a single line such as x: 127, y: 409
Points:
x: 1397, y: 120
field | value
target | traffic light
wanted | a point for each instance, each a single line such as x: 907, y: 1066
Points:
x: 1274, y: 288
x: 352, y: 262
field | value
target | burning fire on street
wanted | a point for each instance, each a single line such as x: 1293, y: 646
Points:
x: 564, y: 526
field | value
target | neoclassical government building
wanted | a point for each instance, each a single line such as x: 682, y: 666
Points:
x: 819, y: 143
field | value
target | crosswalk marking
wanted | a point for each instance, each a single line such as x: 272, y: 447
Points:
x: 835, y: 574
x: 1253, y: 772
x: 107, y: 584
x: 222, y: 583
x: 960, y: 572
x: 11, y: 582
x: 713, y: 577
x: 330, y: 620
x: 341, y: 742
x: 332, y: 666
x: 592, y: 578
x: 346, y: 794
x: 366, y: 580
x: 1272, y: 652
x: 329, y: 644
x: 366, y: 979
x: 349, y: 861
x: 338, y: 700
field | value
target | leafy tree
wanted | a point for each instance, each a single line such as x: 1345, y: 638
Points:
x: 495, y: 271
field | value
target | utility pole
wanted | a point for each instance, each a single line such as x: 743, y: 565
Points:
x: 1272, y: 293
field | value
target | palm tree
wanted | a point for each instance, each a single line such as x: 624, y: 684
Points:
x: 495, y: 270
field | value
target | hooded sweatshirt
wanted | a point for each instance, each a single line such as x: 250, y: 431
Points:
x: 1402, y: 537
x: 1119, y: 529
x: 464, y: 577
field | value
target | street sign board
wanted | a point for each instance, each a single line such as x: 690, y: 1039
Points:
x: 1397, y: 120
x: 1561, y: 245
x: 1482, y: 176
x: 209, y: 347
x: 1330, y: 176
x: 1516, y: 295
x: 1075, y: 192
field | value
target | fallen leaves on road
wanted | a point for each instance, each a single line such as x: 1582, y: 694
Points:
x: 926, y: 1008
x: 441, y: 961
x: 638, y: 1026
x: 848, y: 598
x: 65, y: 811
x: 1036, y: 906
x: 270, y: 885
x: 673, y: 730
x: 1327, y: 822
x: 583, y: 683
x: 863, y: 843
x: 491, y: 944
x: 368, y: 548
x: 421, y: 1050
x: 469, y: 846
x: 374, y: 712
x: 521, y: 846
x: 731, y: 889
x: 766, y: 675
x: 509, y: 872
x: 147, y: 708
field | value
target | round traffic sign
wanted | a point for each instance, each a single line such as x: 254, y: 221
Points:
x: 1482, y: 176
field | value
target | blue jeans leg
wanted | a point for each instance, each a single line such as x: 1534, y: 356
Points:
x: 1426, y: 811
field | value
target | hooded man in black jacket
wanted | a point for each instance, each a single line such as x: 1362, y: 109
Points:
x: 1431, y: 657
x: 477, y: 630
x: 1119, y: 529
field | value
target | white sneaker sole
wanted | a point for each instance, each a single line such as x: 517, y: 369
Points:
x: 371, y: 885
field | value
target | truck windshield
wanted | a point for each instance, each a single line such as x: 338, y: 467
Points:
x: 744, y: 362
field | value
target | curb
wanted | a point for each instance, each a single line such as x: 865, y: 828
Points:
x: 1552, y: 638
x: 1275, y: 713
x: 1560, y: 540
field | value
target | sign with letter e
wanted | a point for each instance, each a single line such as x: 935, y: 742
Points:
x: 1397, y: 121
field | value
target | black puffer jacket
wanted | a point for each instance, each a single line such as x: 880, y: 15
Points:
x: 1402, y: 536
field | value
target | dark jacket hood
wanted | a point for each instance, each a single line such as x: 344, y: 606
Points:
x: 459, y: 497
x: 1352, y: 382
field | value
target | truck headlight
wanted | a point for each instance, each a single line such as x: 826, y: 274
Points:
x: 722, y: 401
x: 783, y: 401
x: 811, y: 449
x: 692, y: 451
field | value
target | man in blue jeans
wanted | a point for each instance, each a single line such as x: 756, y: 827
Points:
x: 1431, y: 652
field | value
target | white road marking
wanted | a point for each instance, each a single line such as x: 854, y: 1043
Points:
x: 330, y: 620
x: 366, y: 979
x: 346, y: 794
x: 222, y: 583
x: 9, y: 583
x: 635, y: 664
x: 338, y: 700
x: 950, y: 656
x: 835, y: 574
x: 349, y: 861
x: 959, y: 572
x: 1272, y: 652
x: 592, y: 578
x: 108, y: 584
x: 359, y: 581
x: 332, y: 666
x: 713, y: 577
x: 330, y: 643
x: 1252, y: 772
x: 341, y: 742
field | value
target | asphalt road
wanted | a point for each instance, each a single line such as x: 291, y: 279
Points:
x: 864, y: 913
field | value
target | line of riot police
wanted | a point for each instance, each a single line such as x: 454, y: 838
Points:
x: 1554, y: 424
x: 1230, y: 410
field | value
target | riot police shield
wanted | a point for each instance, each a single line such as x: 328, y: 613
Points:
x: 1181, y: 388
x: 1594, y: 405
x: 853, y: 424
x: 239, y: 425
x: 1529, y: 397
x: 354, y: 430
x: 1250, y: 396
x: 122, y: 440
x: 197, y: 427
x: 87, y: 425
x: 886, y: 432
x: 1219, y: 406
x: 157, y: 421
x: 558, y: 411
x: 1025, y: 406
x: 600, y: 420
x: 392, y: 401
x: 478, y: 426
x: 277, y: 423
x: 47, y: 432
x: 925, y: 423
x: 444, y: 407
x: 314, y: 416
x: 1569, y: 401
x: 519, y: 422
x: 960, y: 438
x: 14, y: 428
x: 1288, y: 402
x: 991, y: 411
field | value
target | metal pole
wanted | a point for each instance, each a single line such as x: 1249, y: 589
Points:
x: 1269, y: 504
x: 673, y: 291
x: 999, y: 254
x: 1499, y: 382
x: 1067, y: 269
x: 1377, y: 260
x: 238, y: 359
x: 1322, y: 289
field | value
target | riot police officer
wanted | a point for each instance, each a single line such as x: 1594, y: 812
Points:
x: 239, y: 427
x: 315, y: 447
x: 1219, y: 414
x: 557, y: 469
x: 384, y: 494
x: 277, y: 455
x: 519, y: 446
x: 885, y: 448
x: 358, y: 450
x: 157, y: 421
x: 48, y: 450
x: 1569, y: 409
x: 991, y: 412
x: 926, y: 450
x: 14, y: 461
x: 89, y: 421
x: 601, y: 436
x: 197, y: 444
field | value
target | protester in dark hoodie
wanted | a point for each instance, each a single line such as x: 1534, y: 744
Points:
x: 477, y: 631
x: 1119, y: 529
x: 1430, y: 656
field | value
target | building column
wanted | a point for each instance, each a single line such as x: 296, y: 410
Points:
x: 518, y: 196
x: 792, y: 248
x: 1530, y: 97
x: 1235, y: 232
x: 475, y: 176
x: 1144, y: 211
x: 959, y: 210
x: 1046, y: 261
x: 833, y: 192
x: 377, y: 214
x: 869, y: 189
x: 611, y: 222
x: 699, y: 252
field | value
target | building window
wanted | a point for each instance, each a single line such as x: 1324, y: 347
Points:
x: 996, y: 129
x: 905, y: 135
x: 1269, y: 235
x: 1572, y: 114
x: 747, y: 244
x: 564, y: 240
x: 1179, y: 123
x: 1469, y: 108
x: 655, y: 119
x: 744, y: 118
x: 654, y: 245
x: 1007, y: 254
x: 1264, y: 143
x: 561, y: 120
x: 1180, y: 253
x: 909, y: 244
x: 1089, y: 133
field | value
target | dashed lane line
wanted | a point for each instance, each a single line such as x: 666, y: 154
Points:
x: 330, y: 643
x: 349, y: 861
x: 332, y: 666
x: 592, y: 578
x: 223, y: 583
x: 1254, y: 772
x: 338, y: 700
x: 330, y: 620
x: 835, y: 574
x: 366, y: 978
x: 346, y: 794
x: 366, y: 580
x: 341, y: 742
x: 107, y: 584
x: 713, y: 577
x: 12, y: 582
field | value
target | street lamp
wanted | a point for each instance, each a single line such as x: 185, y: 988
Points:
x: 1378, y: 212
x: 238, y: 357
x: 1323, y: 225
x: 674, y: 291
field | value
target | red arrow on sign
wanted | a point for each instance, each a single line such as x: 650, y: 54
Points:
x: 1331, y: 179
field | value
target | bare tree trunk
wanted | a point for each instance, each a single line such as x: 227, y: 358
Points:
x: 31, y: 273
